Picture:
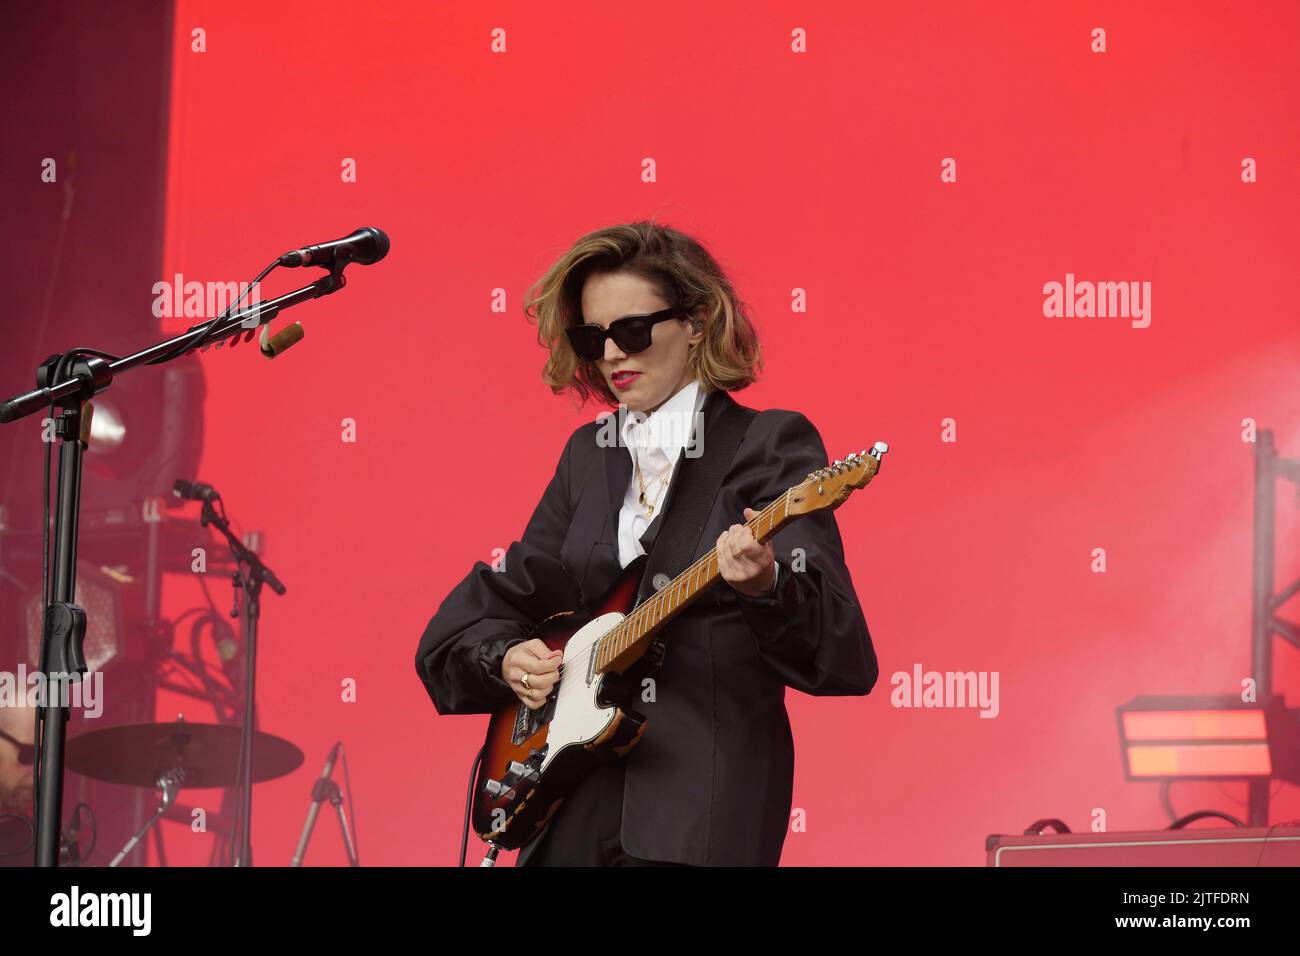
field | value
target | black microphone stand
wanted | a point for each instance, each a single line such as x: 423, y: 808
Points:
x: 86, y: 374
x: 250, y: 575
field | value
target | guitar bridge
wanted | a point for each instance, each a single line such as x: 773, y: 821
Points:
x: 528, y: 722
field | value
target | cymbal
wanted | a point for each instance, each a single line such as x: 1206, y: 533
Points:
x: 202, y: 755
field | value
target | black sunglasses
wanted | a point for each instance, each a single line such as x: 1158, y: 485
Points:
x: 631, y: 334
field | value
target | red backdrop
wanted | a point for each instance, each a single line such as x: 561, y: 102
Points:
x: 818, y: 171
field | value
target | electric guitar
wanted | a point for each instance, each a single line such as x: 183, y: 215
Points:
x: 533, y: 759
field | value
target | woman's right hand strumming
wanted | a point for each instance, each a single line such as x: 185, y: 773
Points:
x: 534, y: 661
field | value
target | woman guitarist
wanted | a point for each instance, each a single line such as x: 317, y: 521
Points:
x: 641, y: 316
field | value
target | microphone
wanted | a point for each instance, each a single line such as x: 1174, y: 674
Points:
x: 365, y: 246
x: 194, y: 491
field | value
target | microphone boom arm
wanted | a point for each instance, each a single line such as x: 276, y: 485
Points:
x: 87, y: 385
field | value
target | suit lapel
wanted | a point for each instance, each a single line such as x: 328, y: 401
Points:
x: 618, y: 471
x: 603, y: 568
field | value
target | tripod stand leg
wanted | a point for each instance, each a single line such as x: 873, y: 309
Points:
x: 169, y: 783
x: 307, y: 827
x: 139, y: 835
x: 337, y: 799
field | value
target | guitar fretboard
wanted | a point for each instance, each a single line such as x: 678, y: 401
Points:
x: 632, y: 635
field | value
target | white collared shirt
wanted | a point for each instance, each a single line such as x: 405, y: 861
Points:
x: 655, y: 444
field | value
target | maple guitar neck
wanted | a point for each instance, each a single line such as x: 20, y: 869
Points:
x: 824, y: 489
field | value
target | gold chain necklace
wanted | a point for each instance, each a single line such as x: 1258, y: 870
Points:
x: 649, y: 505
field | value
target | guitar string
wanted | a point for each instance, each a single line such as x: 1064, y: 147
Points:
x: 695, y: 568
x: 627, y: 620
x: 642, y: 613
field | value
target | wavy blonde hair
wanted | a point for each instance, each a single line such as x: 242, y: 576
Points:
x: 682, y: 271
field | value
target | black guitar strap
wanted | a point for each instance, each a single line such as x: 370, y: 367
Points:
x: 692, y: 497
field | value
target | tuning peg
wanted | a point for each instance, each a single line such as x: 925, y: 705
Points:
x: 880, y: 447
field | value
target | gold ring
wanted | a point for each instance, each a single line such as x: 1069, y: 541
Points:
x: 524, y: 680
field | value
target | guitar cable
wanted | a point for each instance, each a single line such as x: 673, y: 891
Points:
x: 469, y: 802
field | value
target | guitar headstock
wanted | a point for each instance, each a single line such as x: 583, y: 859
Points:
x: 829, y: 487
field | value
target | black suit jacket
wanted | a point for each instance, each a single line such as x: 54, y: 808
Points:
x: 710, y: 782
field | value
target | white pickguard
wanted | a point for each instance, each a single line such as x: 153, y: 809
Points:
x: 578, y: 718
